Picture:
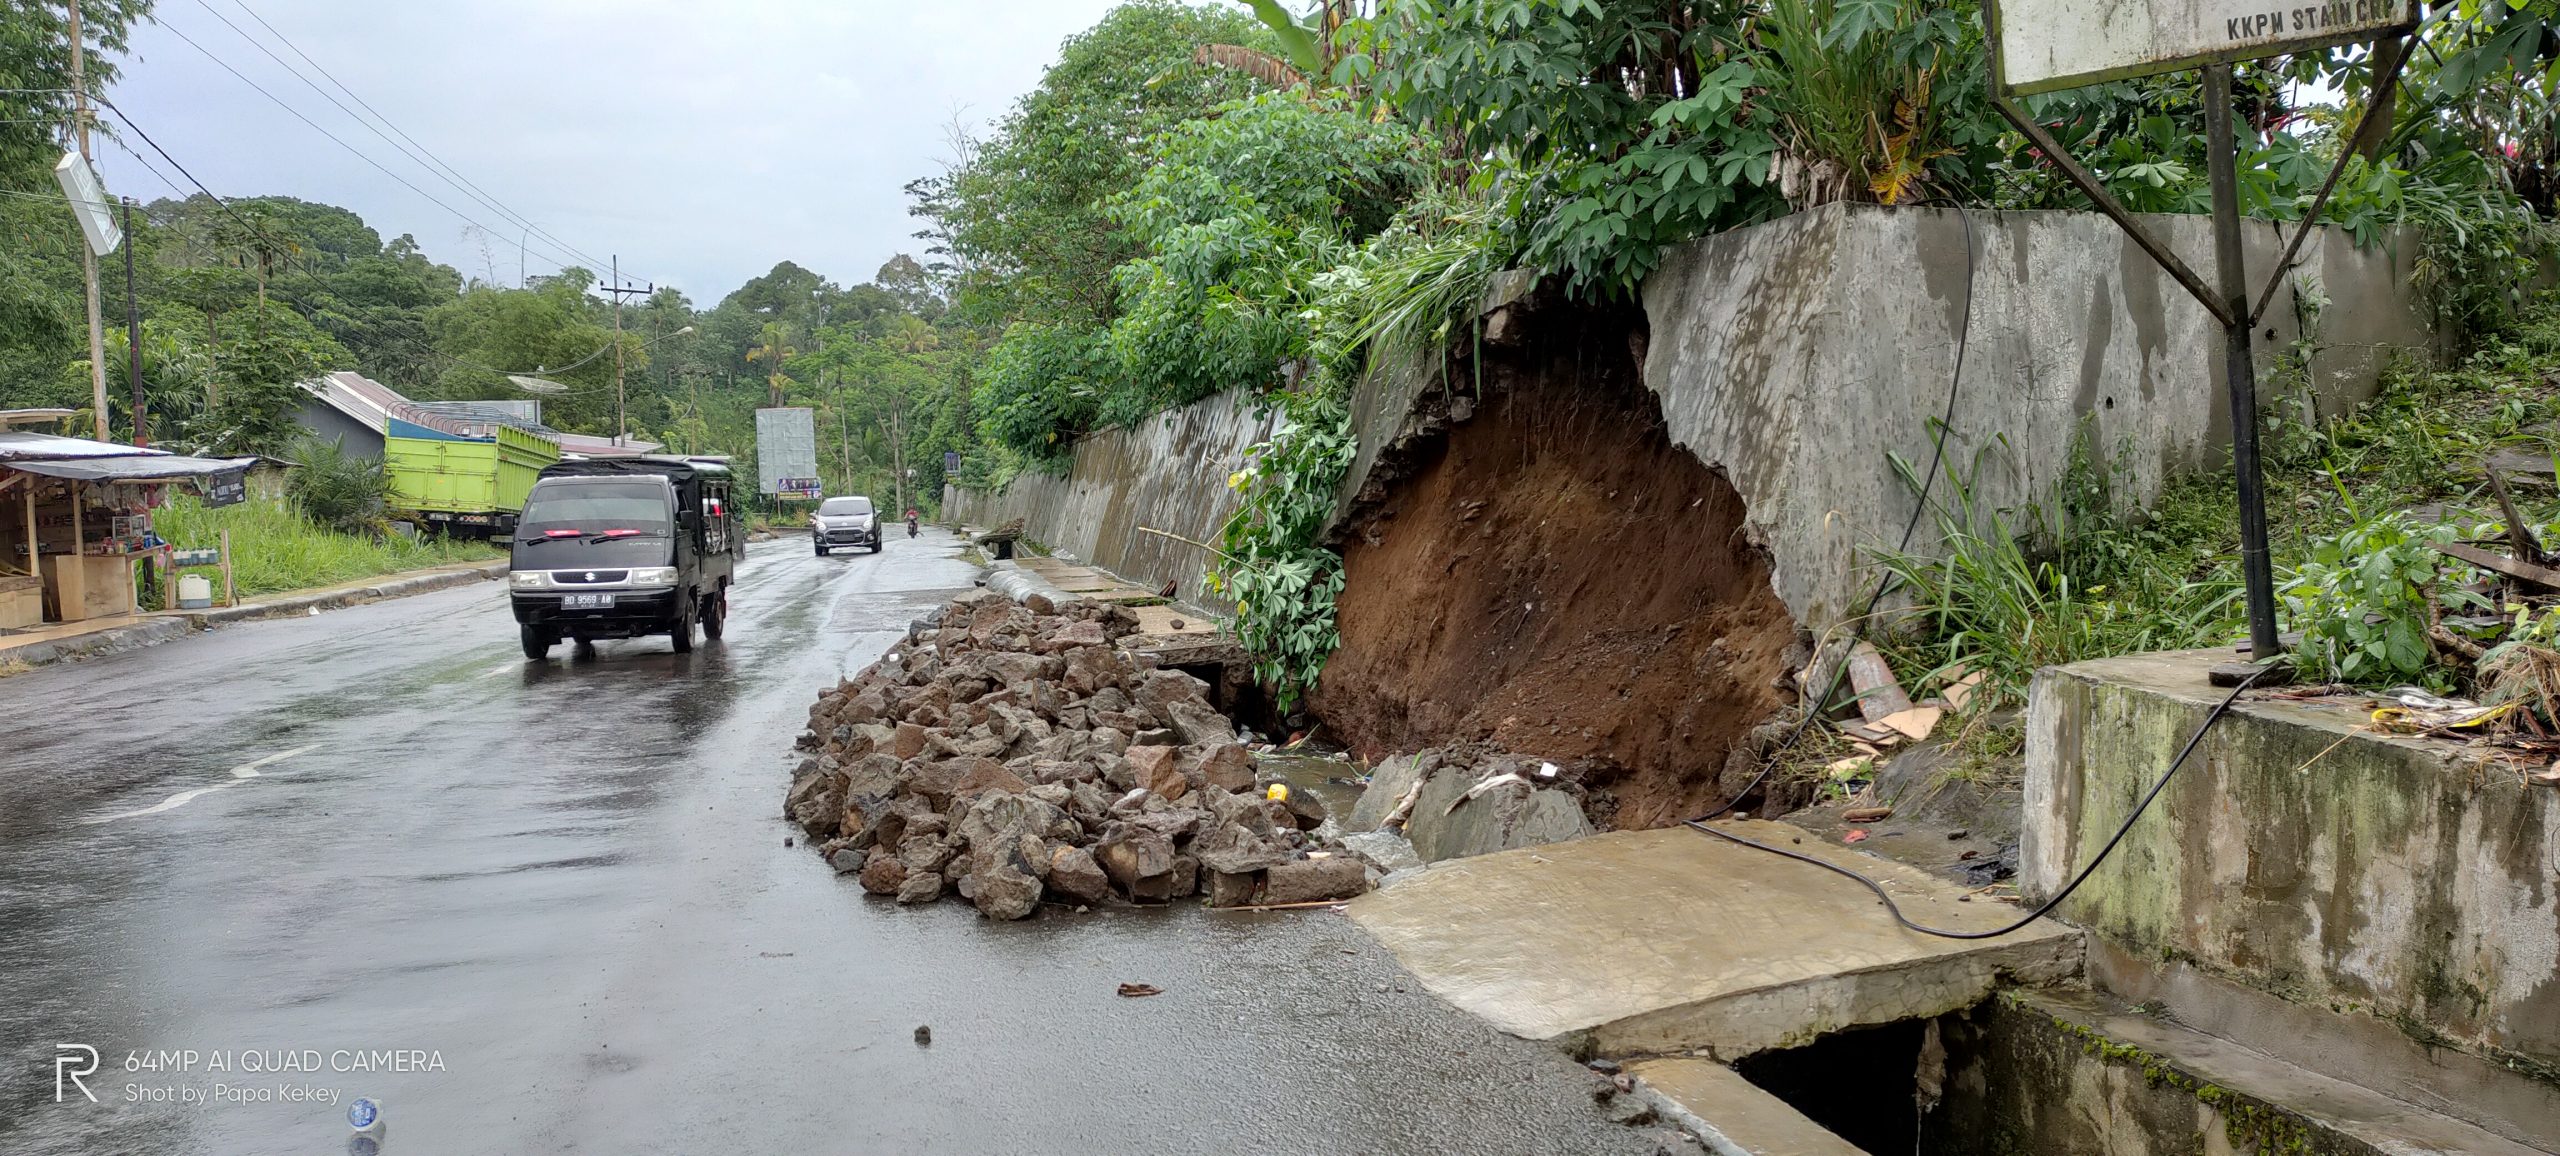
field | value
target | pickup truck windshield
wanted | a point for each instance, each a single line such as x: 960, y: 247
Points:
x: 595, y: 509
x: 844, y: 507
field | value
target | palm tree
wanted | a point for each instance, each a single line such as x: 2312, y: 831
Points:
x: 771, y: 352
x: 913, y: 336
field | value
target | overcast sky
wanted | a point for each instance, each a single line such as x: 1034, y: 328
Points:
x: 700, y: 141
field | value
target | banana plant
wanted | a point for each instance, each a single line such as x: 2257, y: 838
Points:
x: 1315, y: 50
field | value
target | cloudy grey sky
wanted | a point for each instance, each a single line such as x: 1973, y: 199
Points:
x: 700, y: 141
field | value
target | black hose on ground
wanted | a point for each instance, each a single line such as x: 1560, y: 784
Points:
x: 2219, y: 709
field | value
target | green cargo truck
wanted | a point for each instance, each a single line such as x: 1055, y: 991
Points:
x: 464, y: 486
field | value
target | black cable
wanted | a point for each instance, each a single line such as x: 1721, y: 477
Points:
x: 412, y: 150
x: 1928, y: 481
x: 2123, y: 829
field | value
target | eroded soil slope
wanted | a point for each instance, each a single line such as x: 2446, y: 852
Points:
x: 1556, y: 576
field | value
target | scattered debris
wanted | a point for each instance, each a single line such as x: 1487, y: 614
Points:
x: 1863, y: 815
x: 1960, y: 687
x: 1015, y: 758
x: 1135, y: 990
x: 1856, y: 836
x: 924, y: 1035
x: 1504, y: 779
x: 1914, y: 723
x: 1880, y: 695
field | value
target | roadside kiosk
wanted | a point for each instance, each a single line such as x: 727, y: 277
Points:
x: 81, y: 529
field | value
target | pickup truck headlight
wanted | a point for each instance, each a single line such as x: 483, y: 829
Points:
x: 528, y: 579
x: 654, y: 576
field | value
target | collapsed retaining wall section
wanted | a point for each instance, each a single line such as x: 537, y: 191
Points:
x: 1797, y: 356
x: 1168, y: 473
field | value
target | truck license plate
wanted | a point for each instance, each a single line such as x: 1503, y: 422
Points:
x: 586, y: 602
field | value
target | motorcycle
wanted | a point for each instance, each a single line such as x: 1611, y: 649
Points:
x: 911, y: 527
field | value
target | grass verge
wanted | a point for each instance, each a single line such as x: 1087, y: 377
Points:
x: 2087, y: 576
x: 275, y: 549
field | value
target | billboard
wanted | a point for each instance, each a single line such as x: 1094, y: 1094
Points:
x: 2043, y: 45
x: 787, y: 453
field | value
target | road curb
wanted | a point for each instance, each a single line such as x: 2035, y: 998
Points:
x: 398, y: 586
x: 154, y: 631
x: 134, y: 637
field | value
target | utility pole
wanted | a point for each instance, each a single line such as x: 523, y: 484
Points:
x: 898, y: 453
x: 133, y: 333
x: 621, y: 426
x: 88, y: 259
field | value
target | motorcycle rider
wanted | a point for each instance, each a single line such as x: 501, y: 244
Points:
x: 912, y: 515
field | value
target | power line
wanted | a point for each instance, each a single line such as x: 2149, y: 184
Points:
x: 466, y: 218
x: 145, y: 162
x: 413, y: 150
x: 182, y: 169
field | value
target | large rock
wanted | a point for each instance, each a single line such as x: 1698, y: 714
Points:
x: 1306, y: 808
x: 1231, y: 889
x: 996, y: 820
x: 920, y: 887
x: 1075, y: 877
x: 882, y: 873
x: 1233, y: 850
x: 1139, y: 862
x: 1001, y: 892
x: 1197, y: 723
x: 1226, y: 766
x: 1388, y: 782
x: 987, y: 775
x: 1159, y: 769
x: 1160, y: 689
x: 1311, y: 880
x: 908, y: 741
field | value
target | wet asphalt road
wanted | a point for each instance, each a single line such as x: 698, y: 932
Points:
x: 564, y: 885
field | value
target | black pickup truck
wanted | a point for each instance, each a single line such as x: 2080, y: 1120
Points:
x: 622, y: 548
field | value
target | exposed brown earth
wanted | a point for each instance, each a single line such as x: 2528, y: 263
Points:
x: 1554, y: 575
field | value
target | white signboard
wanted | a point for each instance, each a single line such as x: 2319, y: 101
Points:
x: 88, y: 197
x: 787, y: 453
x: 2042, y: 45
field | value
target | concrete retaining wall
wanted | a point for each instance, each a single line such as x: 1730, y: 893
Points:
x: 2302, y: 855
x: 1797, y: 355
x: 1169, y: 473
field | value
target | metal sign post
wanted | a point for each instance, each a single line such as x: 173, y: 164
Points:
x: 2046, y: 45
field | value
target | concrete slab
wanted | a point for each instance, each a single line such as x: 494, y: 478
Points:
x: 1159, y: 621
x: 1730, y: 1115
x: 1654, y: 942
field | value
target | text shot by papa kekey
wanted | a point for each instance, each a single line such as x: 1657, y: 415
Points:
x: 213, y: 1077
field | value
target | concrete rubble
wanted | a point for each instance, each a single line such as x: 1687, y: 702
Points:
x: 1465, y: 799
x: 1016, y: 755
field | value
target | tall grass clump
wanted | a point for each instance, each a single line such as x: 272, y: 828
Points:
x: 274, y: 547
x: 2004, y: 593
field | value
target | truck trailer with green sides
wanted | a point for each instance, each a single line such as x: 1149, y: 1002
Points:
x: 465, y: 486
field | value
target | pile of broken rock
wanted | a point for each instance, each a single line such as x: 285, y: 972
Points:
x: 1019, y: 753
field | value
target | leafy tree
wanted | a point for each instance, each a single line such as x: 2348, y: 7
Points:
x: 1023, y: 217
x: 1629, y: 123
